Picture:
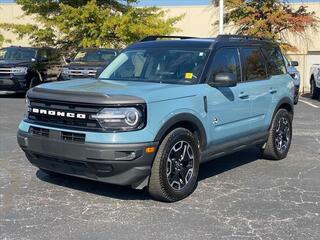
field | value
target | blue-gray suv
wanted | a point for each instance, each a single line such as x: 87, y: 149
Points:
x: 160, y: 109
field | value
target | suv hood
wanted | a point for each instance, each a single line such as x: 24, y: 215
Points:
x: 14, y: 63
x: 92, y: 65
x: 150, y: 92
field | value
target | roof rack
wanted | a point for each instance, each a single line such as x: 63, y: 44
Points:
x: 155, y: 37
x: 241, y: 37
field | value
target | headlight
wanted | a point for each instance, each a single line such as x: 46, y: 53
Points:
x: 27, y: 107
x: 125, y: 119
x: 19, y: 70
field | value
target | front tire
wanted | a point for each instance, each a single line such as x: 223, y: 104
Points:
x: 280, y: 135
x: 175, y: 168
x: 315, y: 91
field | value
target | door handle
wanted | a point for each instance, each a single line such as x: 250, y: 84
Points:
x: 243, y: 95
x: 272, y: 91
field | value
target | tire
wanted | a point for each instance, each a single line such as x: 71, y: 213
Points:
x: 167, y: 172
x: 296, y: 100
x: 281, y: 129
x: 315, y: 91
x: 34, y: 82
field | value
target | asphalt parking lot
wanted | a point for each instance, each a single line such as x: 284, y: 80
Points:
x: 238, y: 197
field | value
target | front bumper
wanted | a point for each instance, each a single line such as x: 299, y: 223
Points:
x: 13, y: 84
x: 121, y: 164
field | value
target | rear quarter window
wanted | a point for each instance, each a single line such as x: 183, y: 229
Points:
x: 254, y: 64
x: 275, y: 59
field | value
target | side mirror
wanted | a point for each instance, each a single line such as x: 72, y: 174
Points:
x: 224, y: 80
x: 68, y: 60
x: 294, y: 63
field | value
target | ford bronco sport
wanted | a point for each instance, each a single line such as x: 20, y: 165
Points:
x: 22, y: 68
x: 159, y: 110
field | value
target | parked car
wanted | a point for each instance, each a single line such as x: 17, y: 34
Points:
x: 295, y: 74
x: 159, y: 110
x: 22, y: 68
x: 315, y: 81
x: 88, y: 63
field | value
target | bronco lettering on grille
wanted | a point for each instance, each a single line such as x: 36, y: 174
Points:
x: 58, y: 113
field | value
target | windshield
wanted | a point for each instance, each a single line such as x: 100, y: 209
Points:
x: 95, y: 56
x: 157, y: 65
x: 17, y: 53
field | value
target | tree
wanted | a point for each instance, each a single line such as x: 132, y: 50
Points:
x: 73, y: 24
x: 269, y: 19
x: 1, y: 39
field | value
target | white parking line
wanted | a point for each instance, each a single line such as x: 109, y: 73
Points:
x: 308, y: 103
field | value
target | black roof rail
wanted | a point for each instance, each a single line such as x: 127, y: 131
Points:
x: 155, y: 37
x: 241, y: 37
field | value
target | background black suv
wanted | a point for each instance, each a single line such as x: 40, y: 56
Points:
x: 22, y: 68
x: 88, y: 63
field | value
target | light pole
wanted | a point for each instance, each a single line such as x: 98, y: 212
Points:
x: 221, y: 17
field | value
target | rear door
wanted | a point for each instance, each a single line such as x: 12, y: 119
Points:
x: 228, y: 107
x: 259, y: 87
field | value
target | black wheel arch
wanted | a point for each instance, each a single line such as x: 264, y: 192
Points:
x: 185, y: 120
x: 285, y: 103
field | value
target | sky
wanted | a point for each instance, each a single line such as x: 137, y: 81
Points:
x: 178, y: 2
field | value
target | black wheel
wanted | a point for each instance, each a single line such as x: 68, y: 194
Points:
x: 296, y: 100
x: 34, y: 82
x: 280, y: 135
x: 315, y: 92
x: 175, y: 168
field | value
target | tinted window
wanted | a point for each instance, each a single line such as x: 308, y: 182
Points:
x: 167, y: 65
x: 276, y: 63
x: 17, y: 53
x: 53, y: 54
x: 95, y: 55
x: 42, y: 54
x: 254, y: 64
x: 226, y: 60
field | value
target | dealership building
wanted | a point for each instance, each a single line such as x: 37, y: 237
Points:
x: 199, y: 21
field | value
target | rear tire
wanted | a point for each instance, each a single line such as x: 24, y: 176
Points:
x: 175, y: 168
x: 280, y: 135
x: 315, y: 91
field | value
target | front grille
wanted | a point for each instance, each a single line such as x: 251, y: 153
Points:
x: 63, y: 121
x: 60, y: 135
x: 82, y: 72
x: 73, y: 137
x: 5, y: 72
x: 39, y: 131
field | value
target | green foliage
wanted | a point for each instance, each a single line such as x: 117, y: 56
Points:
x: 73, y: 24
x: 1, y: 39
x: 269, y: 18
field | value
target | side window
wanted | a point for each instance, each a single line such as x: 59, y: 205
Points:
x: 254, y: 64
x: 226, y: 60
x: 276, y: 63
x: 42, y: 54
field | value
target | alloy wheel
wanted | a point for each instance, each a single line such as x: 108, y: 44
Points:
x: 180, y: 164
x: 283, y: 134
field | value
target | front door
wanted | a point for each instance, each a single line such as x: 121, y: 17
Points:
x: 228, y: 107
